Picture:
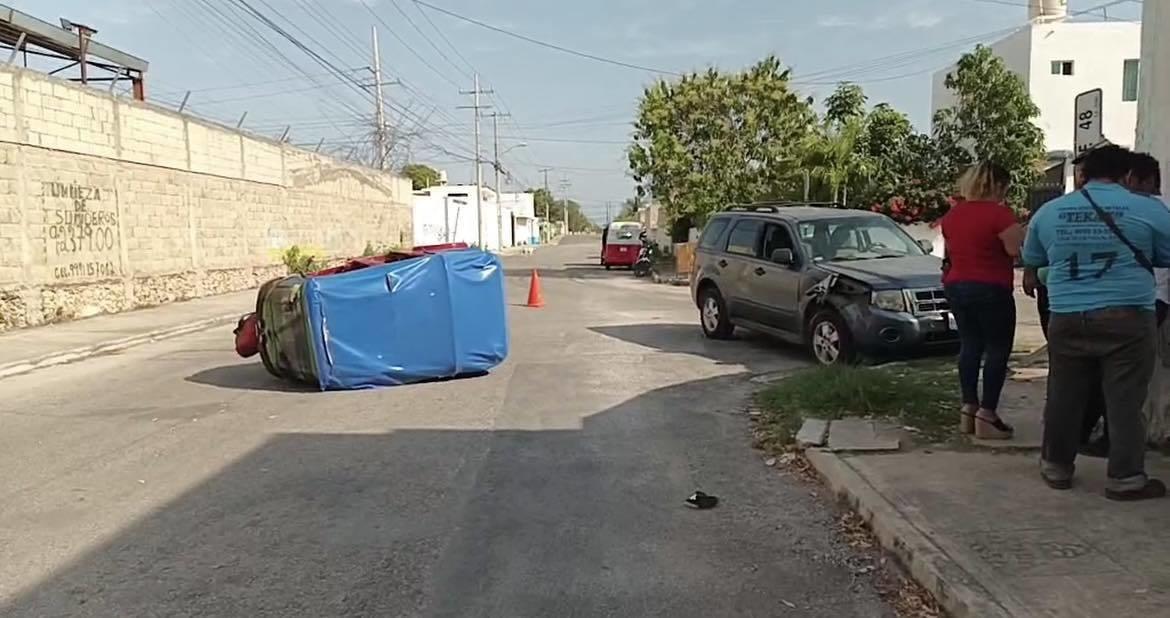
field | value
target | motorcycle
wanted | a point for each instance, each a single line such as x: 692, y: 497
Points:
x: 646, y: 255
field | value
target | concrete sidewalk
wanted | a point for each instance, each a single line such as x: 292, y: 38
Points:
x: 28, y: 349
x: 980, y: 530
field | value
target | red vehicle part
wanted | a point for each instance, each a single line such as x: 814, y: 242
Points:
x: 617, y: 255
x: 248, y: 328
x: 248, y: 336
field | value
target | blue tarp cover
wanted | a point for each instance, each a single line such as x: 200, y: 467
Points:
x: 437, y: 316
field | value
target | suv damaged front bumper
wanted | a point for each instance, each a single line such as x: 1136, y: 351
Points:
x: 878, y: 331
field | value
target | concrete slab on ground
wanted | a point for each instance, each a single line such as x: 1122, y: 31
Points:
x: 985, y: 534
x: 813, y: 432
x: 858, y: 434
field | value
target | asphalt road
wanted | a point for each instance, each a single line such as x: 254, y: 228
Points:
x: 176, y: 479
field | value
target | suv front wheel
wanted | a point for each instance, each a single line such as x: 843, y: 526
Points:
x: 829, y: 339
x: 713, y: 314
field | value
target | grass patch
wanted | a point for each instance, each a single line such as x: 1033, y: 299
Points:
x: 921, y: 395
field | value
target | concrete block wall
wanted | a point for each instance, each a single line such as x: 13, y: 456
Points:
x: 108, y: 204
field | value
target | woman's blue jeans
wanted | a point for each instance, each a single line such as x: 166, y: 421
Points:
x: 986, y: 317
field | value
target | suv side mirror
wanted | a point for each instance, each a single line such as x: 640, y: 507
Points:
x: 926, y: 245
x: 783, y: 257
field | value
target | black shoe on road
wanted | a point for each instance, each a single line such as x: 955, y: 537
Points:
x: 1057, y: 484
x: 1154, y: 489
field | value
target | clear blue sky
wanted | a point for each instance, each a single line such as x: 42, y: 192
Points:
x: 573, y: 113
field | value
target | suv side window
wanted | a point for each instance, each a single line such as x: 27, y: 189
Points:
x: 745, y: 237
x: 776, y: 236
x: 713, y: 232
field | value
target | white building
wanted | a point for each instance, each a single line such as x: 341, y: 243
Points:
x: 657, y: 225
x: 1153, y: 123
x: 1058, y: 60
x: 448, y: 213
x: 524, y: 226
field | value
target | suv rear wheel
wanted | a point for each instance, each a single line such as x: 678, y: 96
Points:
x: 829, y: 339
x: 713, y: 314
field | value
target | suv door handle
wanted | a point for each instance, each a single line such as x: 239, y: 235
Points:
x: 760, y: 271
x: 722, y: 263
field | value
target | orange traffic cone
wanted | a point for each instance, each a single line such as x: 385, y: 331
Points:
x: 535, y: 298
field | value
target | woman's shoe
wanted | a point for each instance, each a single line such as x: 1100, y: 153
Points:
x: 992, y: 429
x: 966, y: 422
x: 967, y: 419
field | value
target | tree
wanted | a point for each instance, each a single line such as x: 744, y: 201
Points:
x: 836, y: 159
x: 543, y: 200
x: 847, y: 103
x: 835, y: 154
x: 886, y: 133
x: 710, y: 139
x: 629, y: 211
x: 908, y: 179
x: 421, y: 176
x: 992, y: 119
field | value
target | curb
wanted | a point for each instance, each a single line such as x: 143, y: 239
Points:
x: 959, y: 592
x: 115, y: 345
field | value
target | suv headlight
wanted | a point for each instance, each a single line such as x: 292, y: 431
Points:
x: 889, y: 300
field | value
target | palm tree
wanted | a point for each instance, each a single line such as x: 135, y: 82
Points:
x: 834, y: 158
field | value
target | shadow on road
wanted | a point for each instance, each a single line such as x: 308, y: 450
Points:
x: 571, y: 272
x: 751, y: 350
x: 584, y: 522
x: 254, y: 377
x: 247, y: 376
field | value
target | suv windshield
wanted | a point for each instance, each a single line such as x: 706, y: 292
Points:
x: 855, y: 238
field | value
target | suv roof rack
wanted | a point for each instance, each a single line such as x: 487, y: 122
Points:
x: 776, y: 206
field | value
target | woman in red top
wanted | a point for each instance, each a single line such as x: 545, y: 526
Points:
x: 983, y: 240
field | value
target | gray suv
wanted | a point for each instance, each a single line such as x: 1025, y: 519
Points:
x: 846, y: 283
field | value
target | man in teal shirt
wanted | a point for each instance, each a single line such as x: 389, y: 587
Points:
x: 1101, y: 293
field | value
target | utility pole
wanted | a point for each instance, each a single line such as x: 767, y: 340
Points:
x: 476, y: 106
x: 379, y: 113
x: 565, y: 184
x: 496, y: 163
x: 607, y: 219
x: 548, y: 201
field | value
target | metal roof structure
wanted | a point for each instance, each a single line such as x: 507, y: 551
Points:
x: 72, y: 44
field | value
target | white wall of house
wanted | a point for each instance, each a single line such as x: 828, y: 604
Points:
x: 657, y: 226
x: 514, y: 210
x: 429, y: 226
x: 1153, y: 123
x: 1098, y: 52
x: 523, y: 225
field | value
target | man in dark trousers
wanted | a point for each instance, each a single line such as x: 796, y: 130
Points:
x: 1102, y: 246
x: 1144, y: 178
x: 1035, y: 286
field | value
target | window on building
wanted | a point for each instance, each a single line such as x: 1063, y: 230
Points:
x: 1130, y: 75
x: 1062, y: 67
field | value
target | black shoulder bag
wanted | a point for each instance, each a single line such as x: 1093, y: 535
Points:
x: 1109, y: 222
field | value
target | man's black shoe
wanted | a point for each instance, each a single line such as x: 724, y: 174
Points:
x: 1153, y: 490
x: 1061, y: 484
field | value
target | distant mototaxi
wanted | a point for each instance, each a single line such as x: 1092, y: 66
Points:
x: 622, y: 244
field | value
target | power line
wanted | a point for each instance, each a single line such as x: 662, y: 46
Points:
x: 250, y: 84
x: 554, y: 46
x: 317, y: 57
x: 428, y: 40
x: 410, y: 48
x: 443, y: 36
